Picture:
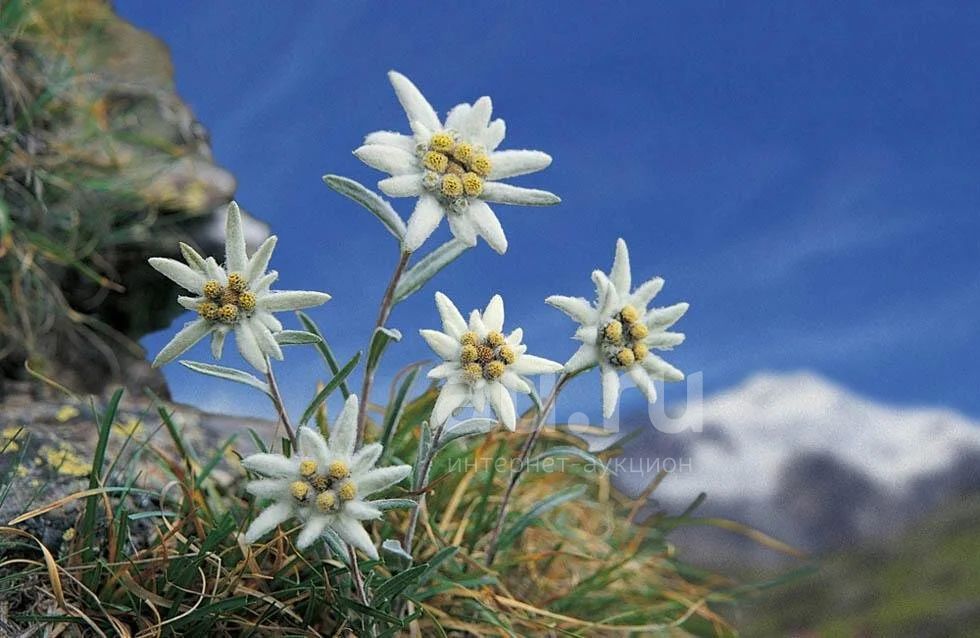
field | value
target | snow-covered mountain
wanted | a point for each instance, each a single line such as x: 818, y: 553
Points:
x: 802, y: 457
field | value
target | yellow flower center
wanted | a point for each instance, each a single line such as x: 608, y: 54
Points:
x: 485, y: 359
x: 307, y: 468
x: 226, y: 303
x: 325, y: 501
x: 621, y: 338
x: 455, y: 169
x: 338, y: 469
x: 299, y: 489
x: 347, y: 491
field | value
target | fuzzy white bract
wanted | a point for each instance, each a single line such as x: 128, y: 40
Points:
x: 234, y: 297
x: 453, y: 167
x: 323, y: 484
x: 481, y: 364
x: 618, y: 331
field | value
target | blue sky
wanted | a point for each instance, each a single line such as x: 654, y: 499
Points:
x: 804, y: 174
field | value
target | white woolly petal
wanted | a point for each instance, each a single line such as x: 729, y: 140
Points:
x: 312, y: 530
x: 494, y: 135
x: 181, y: 274
x: 506, y: 164
x: 493, y: 316
x: 190, y: 334
x: 480, y: 396
x: 355, y: 535
x: 585, y: 357
x: 248, y: 346
x: 390, y: 138
x: 514, y: 338
x: 529, y: 364
x: 458, y: 117
x: 643, y: 382
x: 381, y: 478
x: 620, y: 273
x: 610, y: 391
x: 513, y: 381
x: 388, y: 159
x: 267, y: 521
x: 587, y: 334
x: 312, y: 445
x: 267, y: 488
x: 453, y: 323
x: 214, y: 271
x: 285, y: 300
x: 271, y: 465
x: 262, y: 285
x: 502, y: 404
x: 664, y: 340
x: 477, y: 325
x: 463, y: 229
x: 343, y: 435
x: 660, y: 369
x: 441, y: 343
x: 488, y: 226
x: 451, y: 396
x: 478, y: 118
x: 268, y: 320
x: 421, y: 132
x: 401, y: 185
x: 361, y: 511
x: 507, y: 194
x: 666, y: 317
x: 190, y: 303
x: 218, y: 343
x: 235, y: 257
x: 645, y: 293
x: 426, y: 216
x: 192, y: 257
x: 443, y: 370
x: 365, y: 458
x: 263, y: 336
x: 260, y: 260
x: 606, y: 294
x: 578, y: 308
x: 417, y: 108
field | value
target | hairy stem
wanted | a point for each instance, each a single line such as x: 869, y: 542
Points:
x: 522, y: 465
x: 280, y: 405
x: 358, y: 579
x: 423, y: 478
x: 386, y: 303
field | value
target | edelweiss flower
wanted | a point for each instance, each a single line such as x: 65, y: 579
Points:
x: 618, y: 332
x: 481, y: 364
x: 453, y: 168
x: 234, y: 297
x: 323, y: 484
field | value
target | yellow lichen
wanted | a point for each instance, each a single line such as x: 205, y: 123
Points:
x: 66, y: 413
x: 64, y: 460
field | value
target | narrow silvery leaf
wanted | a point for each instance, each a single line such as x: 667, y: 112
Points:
x: 568, y: 450
x: 332, y: 385
x: 470, y: 427
x: 229, y: 374
x: 386, y: 504
x: 394, y: 548
x: 296, y: 337
x: 369, y: 200
x: 337, y: 546
x: 323, y: 348
x: 427, y: 268
x: 396, y: 407
x: 425, y: 449
x: 379, y: 341
x: 537, y: 510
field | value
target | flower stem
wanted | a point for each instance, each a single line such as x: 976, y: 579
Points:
x: 358, y: 579
x: 522, y: 465
x: 280, y: 405
x: 423, y: 478
x: 386, y: 304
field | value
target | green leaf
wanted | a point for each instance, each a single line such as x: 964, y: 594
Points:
x: 369, y: 200
x: 228, y: 374
x: 440, y: 557
x: 379, y: 341
x: 553, y: 501
x: 427, y: 268
x: 393, y: 413
x: 297, y: 337
x: 469, y: 427
x: 324, y: 349
x: 322, y: 395
x: 397, y: 583
x: 568, y: 450
x: 425, y: 449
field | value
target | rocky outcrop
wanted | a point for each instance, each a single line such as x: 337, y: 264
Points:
x: 103, y: 166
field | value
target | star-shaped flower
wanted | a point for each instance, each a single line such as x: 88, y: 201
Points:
x: 323, y: 484
x: 481, y: 364
x: 618, y: 332
x: 233, y: 297
x: 453, y: 168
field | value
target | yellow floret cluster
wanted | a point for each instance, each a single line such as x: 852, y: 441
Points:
x: 622, y: 338
x: 226, y: 303
x: 454, y: 168
x: 485, y: 358
x: 323, y: 490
